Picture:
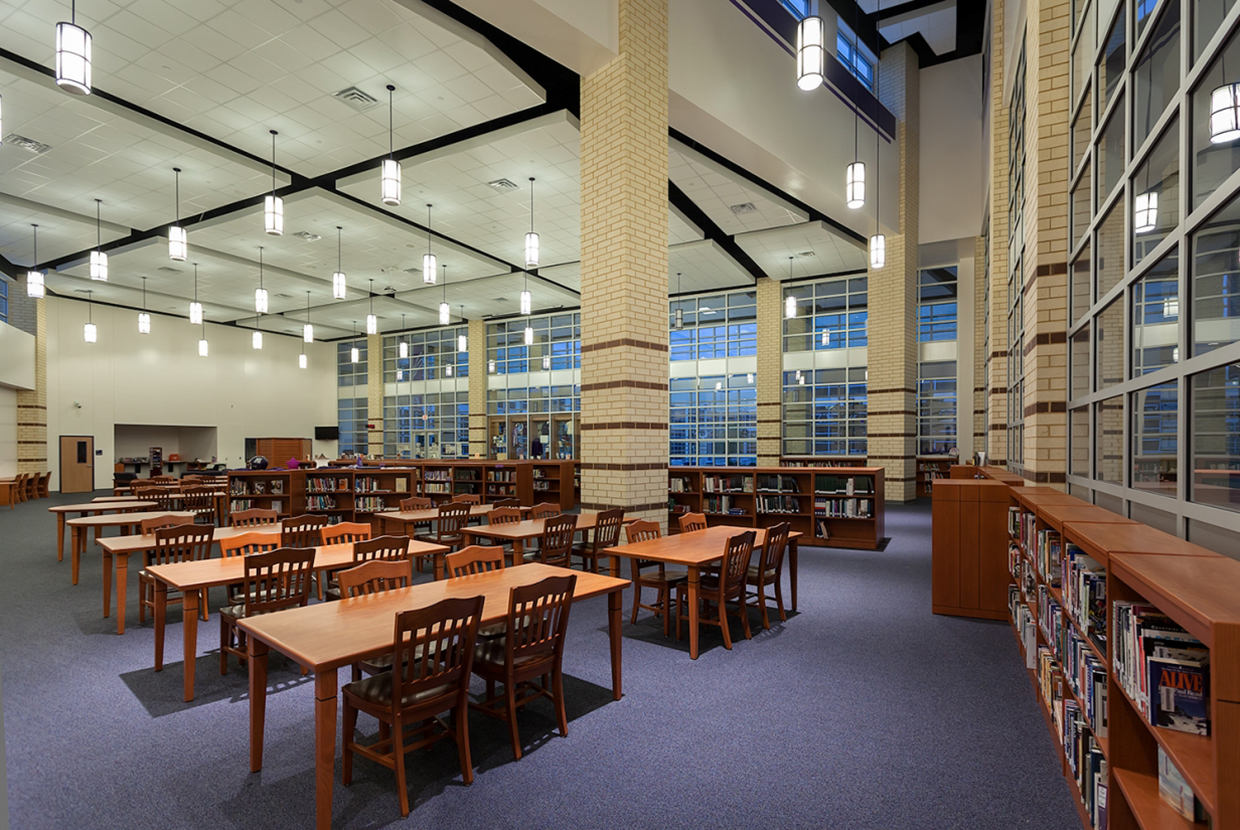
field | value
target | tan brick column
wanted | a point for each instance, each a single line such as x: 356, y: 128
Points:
x: 1046, y: 243
x: 997, y: 273
x: 978, y: 421
x: 478, y: 388
x: 32, y: 404
x: 892, y: 382
x: 374, y: 392
x: 624, y: 359
x: 770, y: 371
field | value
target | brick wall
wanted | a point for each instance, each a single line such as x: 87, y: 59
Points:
x: 996, y: 361
x: 770, y: 370
x: 478, y: 387
x: 374, y: 392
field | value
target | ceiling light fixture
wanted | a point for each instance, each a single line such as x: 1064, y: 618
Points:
x: 402, y: 348
x: 790, y: 302
x: 144, y: 317
x: 178, y: 237
x: 826, y: 337
x: 256, y: 339
x: 302, y: 363
x: 546, y: 362
x: 307, y: 329
x: 811, y: 52
x: 854, y: 175
x: 90, y: 333
x: 73, y: 55
x: 389, y: 184
x: 529, y: 335
x: 678, y: 316
x: 878, y: 242
x: 491, y: 367
x: 98, y: 259
x: 428, y: 259
x: 372, y: 322
x: 447, y: 370
x: 354, y: 353
x: 195, y: 307
x: 338, y: 278
x: 445, y: 311
x: 749, y: 378
x: 462, y: 340
x: 531, y: 238
x: 273, y: 205
x: 35, y: 287
x: 260, y: 293
x: 1146, y: 210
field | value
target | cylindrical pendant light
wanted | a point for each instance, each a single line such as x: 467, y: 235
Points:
x: 301, y: 361
x: 307, y: 329
x: 546, y: 361
x: 203, y: 347
x: 445, y: 310
x: 89, y: 332
x: 73, y: 59
x: 811, y: 53
x: 402, y: 348
x: 338, y: 278
x: 529, y: 335
x: 462, y: 340
x: 1225, y: 113
x: 355, y: 354
x: 178, y: 237
x: 531, y: 238
x: 527, y: 301
x: 35, y: 287
x: 389, y: 184
x: 98, y: 259
x: 256, y: 340
x: 878, y: 251
x: 195, y: 307
x: 429, y: 266
x: 678, y: 316
x: 826, y: 337
x: 144, y: 318
x: 372, y: 322
x: 854, y: 185
x: 491, y: 366
x: 447, y: 370
x: 260, y: 293
x: 273, y: 205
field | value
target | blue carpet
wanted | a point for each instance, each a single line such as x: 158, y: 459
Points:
x: 861, y: 711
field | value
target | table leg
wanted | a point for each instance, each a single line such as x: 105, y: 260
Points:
x: 161, y: 612
x: 792, y: 570
x: 122, y: 577
x: 694, y: 583
x: 77, y: 542
x: 437, y: 561
x: 189, y: 609
x: 60, y: 537
x: 257, y: 664
x: 518, y: 551
x: 613, y: 630
x: 326, y: 685
x: 107, y: 584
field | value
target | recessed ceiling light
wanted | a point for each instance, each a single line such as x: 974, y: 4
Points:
x: 27, y: 144
x: 503, y: 184
x: 744, y: 207
x: 307, y: 236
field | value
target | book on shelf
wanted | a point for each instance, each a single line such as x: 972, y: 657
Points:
x: 1014, y: 522
x: 677, y: 485
x: 259, y: 488
x: 842, y: 508
x: 278, y: 505
x: 778, y: 504
x: 402, y: 484
x: 1048, y: 554
x: 844, y: 485
x: 1084, y: 583
x: 277, y: 487
x: 1175, y: 790
x: 1180, y: 694
x: 1162, y: 668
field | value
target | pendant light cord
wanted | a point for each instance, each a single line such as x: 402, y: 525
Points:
x: 391, y: 89
x: 273, y: 162
x: 144, y: 293
x: 177, y: 170
x: 338, y: 243
x: 35, y: 264
x: 856, y: 108
x: 98, y: 232
x: 428, y: 228
x: 878, y: 138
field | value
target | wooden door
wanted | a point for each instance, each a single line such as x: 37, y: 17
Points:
x: 77, y: 463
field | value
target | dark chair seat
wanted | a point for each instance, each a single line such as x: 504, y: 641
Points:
x: 446, y: 539
x: 754, y: 571
x: 489, y: 659
x: 377, y: 690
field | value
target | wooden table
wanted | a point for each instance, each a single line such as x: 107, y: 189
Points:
x: 80, y: 527
x: 329, y: 635
x: 695, y: 549
x: 519, y: 532
x: 401, y: 519
x: 121, y: 548
x: 192, y: 577
x: 8, y: 491
x: 127, y: 504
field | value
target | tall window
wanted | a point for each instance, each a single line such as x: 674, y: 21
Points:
x: 425, y: 409
x: 824, y: 412
x: 719, y: 325
x: 855, y: 58
x: 1016, y: 282
x: 4, y: 300
x: 830, y: 314
x: 936, y: 304
x: 351, y: 397
x: 557, y: 344
x: 936, y: 379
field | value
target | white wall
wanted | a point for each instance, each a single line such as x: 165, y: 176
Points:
x: 952, y: 187
x: 131, y: 378
x: 16, y: 357
x: 8, y: 432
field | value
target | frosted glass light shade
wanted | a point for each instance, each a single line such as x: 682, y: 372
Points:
x: 390, y: 182
x: 338, y: 285
x: 260, y: 300
x: 273, y: 214
x: 400, y: 374
x: 178, y: 243
x: 203, y: 348
x: 73, y: 46
x: 546, y: 363
x: 678, y: 319
x: 301, y: 361
x: 811, y: 53
x: 531, y: 250
x: 402, y: 350
x: 1224, y: 113
x: 429, y: 269
x: 491, y: 366
x: 1145, y: 218
x: 529, y: 336
x: 195, y: 312
x: 90, y: 333
x: 144, y: 322
x: 355, y: 355
x: 854, y: 184
x: 99, y: 266
x: 372, y: 324
x: 526, y: 302
x: 256, y: 339
x: 445, y: 314
x: 826, y: 337
x: 447, y: 370
x: 462, y: 343
x: 307, y: 332
x: 878, y: 250
x: 35, y: 287
x: 790, y: 307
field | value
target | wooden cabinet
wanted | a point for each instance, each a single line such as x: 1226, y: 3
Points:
x: 278, y: 451
x: 969, y: 574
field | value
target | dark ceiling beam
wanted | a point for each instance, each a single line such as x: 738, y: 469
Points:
x: 711, y: 231
x: 904, y: 8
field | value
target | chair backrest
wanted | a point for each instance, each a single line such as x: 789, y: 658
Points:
x: 149, y: 526
x: 773, y: 549
x: 244, y: 544
x: 375, y: 577
x: 545, y: 510
x: 188, y: 479
x: 277, y: 579
x: 198, y: 499
x: 503, y: 516
x: 452, y: 517
x: 435, y: 648
x: 163, y: 496
x: 254, y: 517
x: 181, y: 543
x: 538, y: 617
x: 304, y: 531
x: 45, y: 483
x: 641, y: 531
x: 557, y: 539
x: 346, y: 532
x: 736, y: 562
x: 474, y: 559
x: 163, y: 479
x: 381, y: 547
x: 690, y: 522
x: 607, y: 528
x: 416, y: 503
x: 467, y: 498
x: 507, y: 503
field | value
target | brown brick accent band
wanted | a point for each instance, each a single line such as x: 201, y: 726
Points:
x: 770, y: 420
x: 636, y: 508
x: 1046, y: 339
x: 1042, y: 407
x: 895, y: 389
x: 872, y: 412
x: 1044, y: 478
x: 1052, y: 269
x: 630, y: 384
x: 999, y: 390
x: 998, y: 427
x: 625, y: 341
x: 994, y: 355
x: 625, y: 425
x: 894, y: 478
x: 588, y: 466
x: 31, y: 406
x: 870, y: 458
x: 892, y: 435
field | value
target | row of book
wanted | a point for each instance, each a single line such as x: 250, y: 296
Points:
x: 237, y: 505
x: 374, y: 485
x: 1048, y: 556
x: 844, y: 485
x: 722, y: 504
x: 436, y: 486
x: 678, y: 485
x: 778, y: 484
x: 542, y: 484
x: 437, y: 475
x: 1050, y: 616
x: 1084, y: 583
x: 1021, y: 527
x: 320, y: 503
x: 251, y: 487
x: 1086, y: 675
x: 1024, y: 623
x: 727, y: 484
x: 499, y: 490
x: 1163, y: 668
x: 1084, y: 756
x: 843, y: 508
x: 777, y: 504
x: 505, y: 476
x: 370, y: 504
x: 326, y: 485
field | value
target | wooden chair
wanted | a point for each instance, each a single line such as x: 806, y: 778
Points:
x: 432, y: 665
x: 416, y: 503
x: 386, y: 548
x: 451, y: 518
x: 506, y: 503
x: 532, y: 649
x: 274, y: 580
x: 474, y: 559
x: 375, y: 577
x: 245, y: 544
x: 149, y: 526
x: 690, y: 522
x: 346, y: 532
x: 555, y: 546
x: 503, y: 516
x: 32, y: 487
x: 769, y: 571
x: 467, y: 498
x: 201, y: 502
x: 175, y: 543
x: 305, y: 531
x: 661, y: 580
x: 720, y: 589
x: 254, y: 517
x: 545, y: 510
x: 44, y: 488
x: 19, y: 487
x: 606, y: 535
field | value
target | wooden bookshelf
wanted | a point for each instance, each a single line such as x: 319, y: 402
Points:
x: 378, y: 490
x: 554, y: 481
x: 832, y: 506
x: 969, y: 569
x: 931, y: 468
x: 279, y: 490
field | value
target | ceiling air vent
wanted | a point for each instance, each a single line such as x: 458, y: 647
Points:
x: 307, y: 236
x: 168, y: 269
x: 503, y: 184
x: 744, y: 207
x: 355, y: 98
x: 27, y: 144
x: 284, y: 296
x: 806, y: 254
